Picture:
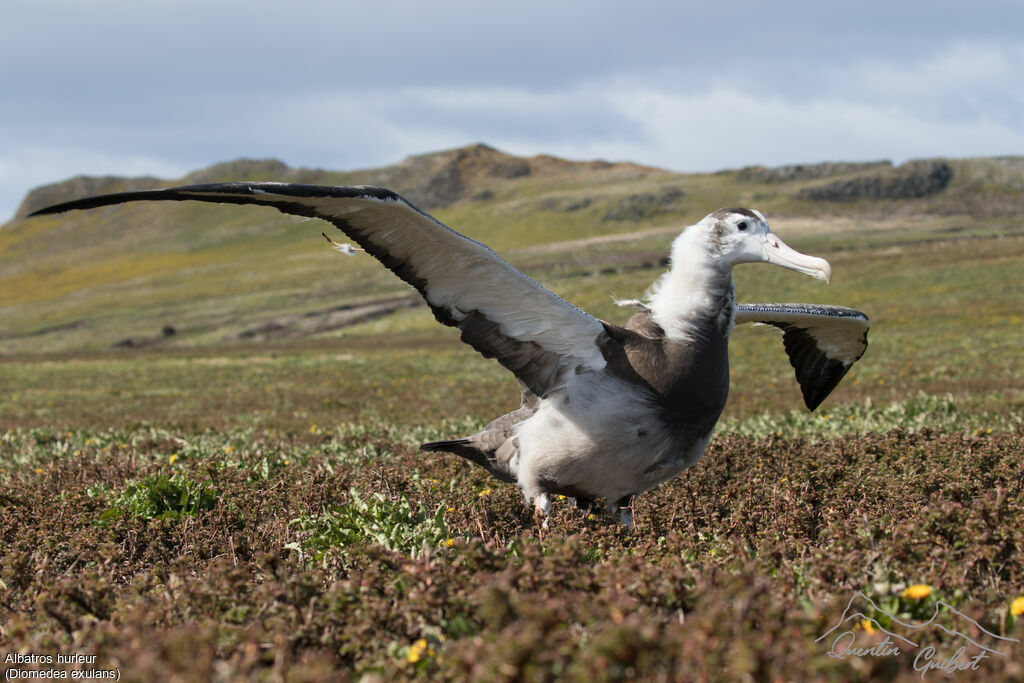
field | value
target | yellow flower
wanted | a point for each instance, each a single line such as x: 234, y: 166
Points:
x: 867, y: 626
x: 919, y: 591
x: 450, y: 542
x: 1017, y: 606
x: 485, y: 492
x: 418, y: 649
x: 312, y: 429
x: 171, y: 460
x: 561, y: 497
x: 451, y: 509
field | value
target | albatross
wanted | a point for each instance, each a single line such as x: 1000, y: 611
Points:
x: 607, y: 411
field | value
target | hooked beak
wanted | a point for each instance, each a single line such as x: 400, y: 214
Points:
x: 776, y: 251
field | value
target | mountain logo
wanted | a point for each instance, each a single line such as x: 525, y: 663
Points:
x: 903, y: 637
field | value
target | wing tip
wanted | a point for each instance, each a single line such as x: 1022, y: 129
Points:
x: 813, y: 399
x: 96, y: 201
x: 815, y: 392
x: 207, y: 192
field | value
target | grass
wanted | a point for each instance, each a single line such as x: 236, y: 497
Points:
x: 391, y: 524
x: 953, y: 329
x: 159, y: 497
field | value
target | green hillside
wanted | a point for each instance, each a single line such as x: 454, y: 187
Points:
x: 931, y: 250
x: 89, y: 280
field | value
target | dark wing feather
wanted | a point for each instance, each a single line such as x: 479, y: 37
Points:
x: 822, y: 342
x: 501, y: 312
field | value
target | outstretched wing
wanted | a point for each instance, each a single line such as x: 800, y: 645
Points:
x: 501, y: 312
x: 822, y: 342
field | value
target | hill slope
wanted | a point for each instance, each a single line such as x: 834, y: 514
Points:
x: 131, y: 275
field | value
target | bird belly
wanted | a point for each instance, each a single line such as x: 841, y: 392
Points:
x: 598, y: 436
x: 683, y: 458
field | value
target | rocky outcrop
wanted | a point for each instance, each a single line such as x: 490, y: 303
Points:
x: 439, y: 179
x: 911, y: 180
x: 564, y: 204
x: 642, y: 205
x: 802, y: 172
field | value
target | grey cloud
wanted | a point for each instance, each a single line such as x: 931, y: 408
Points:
x: 347, y: 85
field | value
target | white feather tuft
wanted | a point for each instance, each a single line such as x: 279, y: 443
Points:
x: 343, y: 248
x: 346, y: 249
x: 631, y: 303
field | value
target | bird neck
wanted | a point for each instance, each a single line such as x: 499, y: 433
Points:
x: 695, y: 299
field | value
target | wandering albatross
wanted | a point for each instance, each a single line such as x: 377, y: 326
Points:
x: 607, y: 412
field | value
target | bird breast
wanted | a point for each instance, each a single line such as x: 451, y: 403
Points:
x: 601, y: 435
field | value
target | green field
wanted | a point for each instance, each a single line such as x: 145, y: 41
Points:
x: 213, y: 506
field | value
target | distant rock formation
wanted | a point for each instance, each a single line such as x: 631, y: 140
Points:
x: 643, y: 205
x: 911, y: 180
x: 799, y: 172
x: 439, y: 179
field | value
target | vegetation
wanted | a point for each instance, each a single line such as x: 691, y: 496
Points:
x: 202, y: 507
x: 333, y: 553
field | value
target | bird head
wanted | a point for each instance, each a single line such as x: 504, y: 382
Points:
x: 742, y: 236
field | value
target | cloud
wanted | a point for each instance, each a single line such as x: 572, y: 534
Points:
x: 962, y: 80
x: 727, y: 128
x: 720, y: 127
x: 164, y: 87
x: 883, y: 110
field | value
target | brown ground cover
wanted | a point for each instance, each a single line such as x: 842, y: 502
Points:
x: 327, y: 555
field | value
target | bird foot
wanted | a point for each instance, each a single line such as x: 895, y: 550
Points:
x: 542, y: 509
x: 623, y: 509
x: 583, y: 504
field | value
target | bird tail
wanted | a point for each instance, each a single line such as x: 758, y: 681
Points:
x: 460, y: 447
x: 464, y: 448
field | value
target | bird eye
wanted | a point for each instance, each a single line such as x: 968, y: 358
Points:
x: 742, y: 225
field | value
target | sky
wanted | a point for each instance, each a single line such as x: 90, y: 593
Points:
x: 164, y: 87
